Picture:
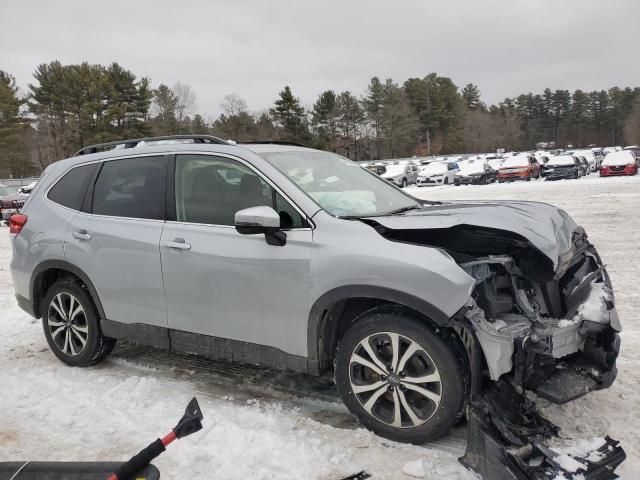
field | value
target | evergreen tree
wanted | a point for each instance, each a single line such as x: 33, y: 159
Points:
x: 324, y: 119
x: 350, y: 119
x: 373, y: 103
x: 471, y: 96
x: 14, y: 157
x: 166, y: 103
x: 289, y: 115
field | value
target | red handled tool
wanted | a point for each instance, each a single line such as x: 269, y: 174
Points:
x: 190, y: 423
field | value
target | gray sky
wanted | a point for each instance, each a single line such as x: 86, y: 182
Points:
x: 254, y: 48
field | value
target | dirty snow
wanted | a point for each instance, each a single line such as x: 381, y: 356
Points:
x: 261, y: 424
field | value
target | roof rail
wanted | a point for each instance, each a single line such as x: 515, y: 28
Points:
x: 135, y: 141
x: 273, y: 142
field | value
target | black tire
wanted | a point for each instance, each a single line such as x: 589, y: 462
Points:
x: 436, y: 355
x: 404, y: 182
x: 446, y: 180
x: 96, y: 346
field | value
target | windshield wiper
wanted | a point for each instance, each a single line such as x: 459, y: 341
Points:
x: 402, y: 210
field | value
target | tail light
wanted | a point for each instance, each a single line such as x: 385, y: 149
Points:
x: 16, y: 222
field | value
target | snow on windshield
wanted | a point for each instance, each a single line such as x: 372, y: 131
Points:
x: 468, y: 168
x: 512, y: 162
x: 561, y: 161
x: 434, y: 168
x: 618, y: 158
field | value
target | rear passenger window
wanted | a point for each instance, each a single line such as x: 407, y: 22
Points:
x: 133, y: 187
x: 211, y: 190
x: 70, y: 189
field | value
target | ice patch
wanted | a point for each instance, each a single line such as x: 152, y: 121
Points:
x: 414, y: 468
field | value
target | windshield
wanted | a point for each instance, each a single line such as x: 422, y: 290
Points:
x: 434, y: 168
x: 561, y: 160
x: 338, y: 185
x: 468, y: 168
x: 515, y: 162
x: 618, y: 158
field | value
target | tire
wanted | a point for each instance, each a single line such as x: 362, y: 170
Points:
x: 425, y: 417
x: 66, y: 337
x: 446, y: 180
x: 404, y: 182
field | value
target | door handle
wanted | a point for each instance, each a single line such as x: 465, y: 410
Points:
x: 178, y: 244
x: 81, y: 235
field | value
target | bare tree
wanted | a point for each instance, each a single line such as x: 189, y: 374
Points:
x: 233, y: 105
x: 185, y: 101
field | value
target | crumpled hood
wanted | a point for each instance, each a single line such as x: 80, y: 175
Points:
x: 548, y: 228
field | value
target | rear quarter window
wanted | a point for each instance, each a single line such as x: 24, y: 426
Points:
x: 69, y: 191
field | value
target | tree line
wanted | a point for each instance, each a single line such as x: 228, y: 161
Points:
x: 70, y: 106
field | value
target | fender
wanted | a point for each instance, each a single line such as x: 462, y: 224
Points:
x: 317, y: 324
x: 71, y: 268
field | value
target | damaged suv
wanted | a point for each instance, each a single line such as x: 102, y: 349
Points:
x: 299, y: 259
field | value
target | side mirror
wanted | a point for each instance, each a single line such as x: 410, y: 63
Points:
x: 263, y: 219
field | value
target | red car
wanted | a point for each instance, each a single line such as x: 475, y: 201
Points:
x: 619, y: 163
x: 10, y: 202
x: 519, y: 167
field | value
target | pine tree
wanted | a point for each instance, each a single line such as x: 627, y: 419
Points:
x: 373, y: 103
x: 14, y: 156
x: 166, y: 103
x: 289, y: 115
x: 350, y: 119
x: 471, y: 96
x: 324, y: 118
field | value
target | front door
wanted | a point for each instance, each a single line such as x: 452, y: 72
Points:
x: 221, y: 283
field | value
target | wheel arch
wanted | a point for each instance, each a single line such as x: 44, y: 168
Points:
x: 42, y: 276
x: 336, y: 309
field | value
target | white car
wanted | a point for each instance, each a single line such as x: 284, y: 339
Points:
x: 437, y: 173
x: 594, y: 164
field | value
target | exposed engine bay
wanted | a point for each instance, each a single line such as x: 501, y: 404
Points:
x: 538, y: 320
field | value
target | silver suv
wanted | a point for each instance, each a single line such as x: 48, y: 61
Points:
x: 299, y: 259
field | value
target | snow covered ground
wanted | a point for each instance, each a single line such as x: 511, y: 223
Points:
x: 261, y: 424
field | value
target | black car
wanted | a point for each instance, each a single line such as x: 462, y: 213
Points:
x: 563, y: 166
x: 475, y: 172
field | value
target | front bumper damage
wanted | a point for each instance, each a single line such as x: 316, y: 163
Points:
x: 525, y: 348
x: 509, y: 440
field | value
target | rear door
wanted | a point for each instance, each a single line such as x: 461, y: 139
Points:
x: 115, y: 239
x: 221, y: 283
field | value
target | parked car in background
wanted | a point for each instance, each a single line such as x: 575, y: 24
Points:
x: 635, y: 150
x: 619, y: 163
x: 562, y: 167
x: 437, y: 173
x: 591, y: 159
x: 494, y: 162
x: 10, y: 202
x: 519, y: 167
x: 26, y: 189
x: 474, y: 172
x: 401, y: 175
x: 585, y: 168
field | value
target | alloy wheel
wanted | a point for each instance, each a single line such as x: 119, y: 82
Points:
x: 395, y: 380
x: 67, y: 324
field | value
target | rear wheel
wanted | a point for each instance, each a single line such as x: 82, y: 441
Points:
x: 71, y: 325
x: 399, y: 378
x: 404, y: 182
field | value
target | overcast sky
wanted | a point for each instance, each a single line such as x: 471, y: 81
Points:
x: 254, y: 48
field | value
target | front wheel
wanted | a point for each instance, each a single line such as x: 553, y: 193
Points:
x: 71, y: 325
x: 404, y: 182
x: 399, y: 378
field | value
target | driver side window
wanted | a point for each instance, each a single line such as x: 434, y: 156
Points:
x: 210, y: 190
